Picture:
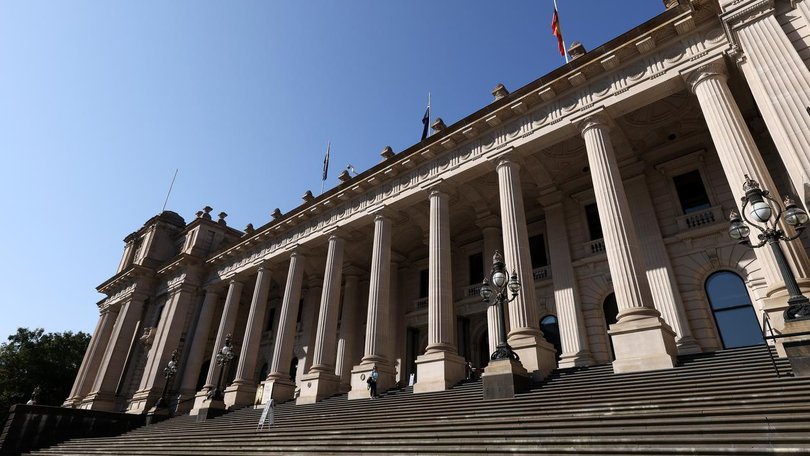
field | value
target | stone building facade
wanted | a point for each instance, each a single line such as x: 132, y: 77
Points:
x: 605, y: 183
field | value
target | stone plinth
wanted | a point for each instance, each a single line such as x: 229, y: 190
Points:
x: 385, y: 380
x: 438, y: 371
x: 239, y: 394
x: 317, y: 386
x: 536, y: 355
x: 797, y: 348
x: 279, y: 389
x: 643, y: 344
x: 205, y: 408
x: 503, y: 378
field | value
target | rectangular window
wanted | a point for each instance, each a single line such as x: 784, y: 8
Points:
x: 537, y: 249
x: 691, y: 192
x: 476, y: 266
x: 594, y: 226
x: 423, y: 283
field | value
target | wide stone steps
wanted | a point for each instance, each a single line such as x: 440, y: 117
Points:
x: 729, y: 402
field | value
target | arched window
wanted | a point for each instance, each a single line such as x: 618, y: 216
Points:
x: 734, y: 315
x: 551, y: 332
x: 611, y: 311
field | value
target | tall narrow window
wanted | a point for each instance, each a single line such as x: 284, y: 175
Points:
x: 736, y: 320
x: 594, y: 225
x: 537, y: 250
x: 691, y: 192
x: 476, y: 266
x: 423, y: 283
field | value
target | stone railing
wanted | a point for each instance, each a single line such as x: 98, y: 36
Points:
x: 698, y: 219
x: 420, y: 303
x: 541, y: 273
x: 472, y: 290
x: 594, y: 247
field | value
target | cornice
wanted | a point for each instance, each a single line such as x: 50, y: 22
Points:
x: 124, y: 278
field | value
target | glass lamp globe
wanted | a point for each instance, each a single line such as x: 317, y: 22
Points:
x: 794, y: 215
x: 499, y: 279
x: 486, y: 291
x: 514, y: 284
x: 760, y: 211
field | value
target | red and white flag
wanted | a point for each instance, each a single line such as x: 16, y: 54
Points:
x: 556, y: 31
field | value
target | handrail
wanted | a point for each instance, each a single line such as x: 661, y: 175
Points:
x: 766, y: 321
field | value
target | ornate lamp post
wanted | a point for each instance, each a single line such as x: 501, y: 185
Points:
x: 225, y: 355
x: 761, y: 207
x: 500, y: 288
x: 169, y: 372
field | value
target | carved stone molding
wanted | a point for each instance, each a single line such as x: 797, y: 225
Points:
x: 714, y: 70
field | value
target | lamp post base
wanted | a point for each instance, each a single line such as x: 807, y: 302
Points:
x: 797, y: 348
x: 503, y: 378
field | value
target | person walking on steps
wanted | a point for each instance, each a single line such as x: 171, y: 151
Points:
x: 372, y: 381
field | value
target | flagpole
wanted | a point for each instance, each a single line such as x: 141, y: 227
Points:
x: 563, y: 41
x: 325, y: 164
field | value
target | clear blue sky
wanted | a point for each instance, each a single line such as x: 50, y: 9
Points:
x: 100, y: 102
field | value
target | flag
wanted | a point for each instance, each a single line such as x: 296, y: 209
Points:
x: 555, y: 30
x: 425, y: 122
x: 326, y: 161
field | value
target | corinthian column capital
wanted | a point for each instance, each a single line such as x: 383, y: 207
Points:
x: 715, y: 70
x: 596, y: 120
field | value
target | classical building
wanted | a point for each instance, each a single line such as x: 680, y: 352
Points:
x: 606, y: 183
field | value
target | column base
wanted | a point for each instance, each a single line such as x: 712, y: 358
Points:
x: 209, y: 409
x: 438, y: 371
x: 503, y: 378
x: 385, y: 381
x: 72, y: 402
x: 643, y: 344
x: 142, y: 401
x: 797, y: 348
x: 103, y: 402
x: 317, y: 386
x: 238, y: 395
x: 277, y: 388
x: 688, y: 346
x: 537, y: 356
x: 575, y: 360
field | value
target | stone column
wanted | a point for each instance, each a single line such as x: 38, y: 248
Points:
x: 112, y: 364
x: 199, y: 342
x: 309, y: 326
x: 641, y: 339
x: 167, y: 339
x: 440, y: 367
x: 321, y: 382
x: 348, y: 329
x: 242, y: 391
x: 226, y: 326
x: 92, y: 358
x: 378, y: 314
x: 739, y: 156
x: 278, y: 385
x: 660, y: 275
x: 536, y: 355
x: 779, y: 80
x: 574, y: 337
x: 492, y: 241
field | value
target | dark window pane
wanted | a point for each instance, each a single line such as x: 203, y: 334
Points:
x: 691, y: 192
x: 611, y: 309
x: 739, y: 327
x: 726, y: 289
x: 476, y: 263
x: 736, y: 320
x: 423, y: 283
x: 551, y: 332
x: 594, y: 226
x: 270, y: 317
x: 537, y: 249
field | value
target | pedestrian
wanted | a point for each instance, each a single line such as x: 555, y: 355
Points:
x: 372, y: 381
x: 469, y: 370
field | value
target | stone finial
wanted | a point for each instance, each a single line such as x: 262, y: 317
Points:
x: 199, y: 214
x: 221, y: 220
x: 344, y: 176
x: 670, y: 3
x: 499, y: 91
x: 438, y: 125
x: 576, y: 50
x: 249, y: 229
x: 387, y: 153
x: 206, y: 213
x: 308, y: 197
x: 276, y: 214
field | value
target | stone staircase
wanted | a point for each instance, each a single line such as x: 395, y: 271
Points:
x: 728, y: 402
